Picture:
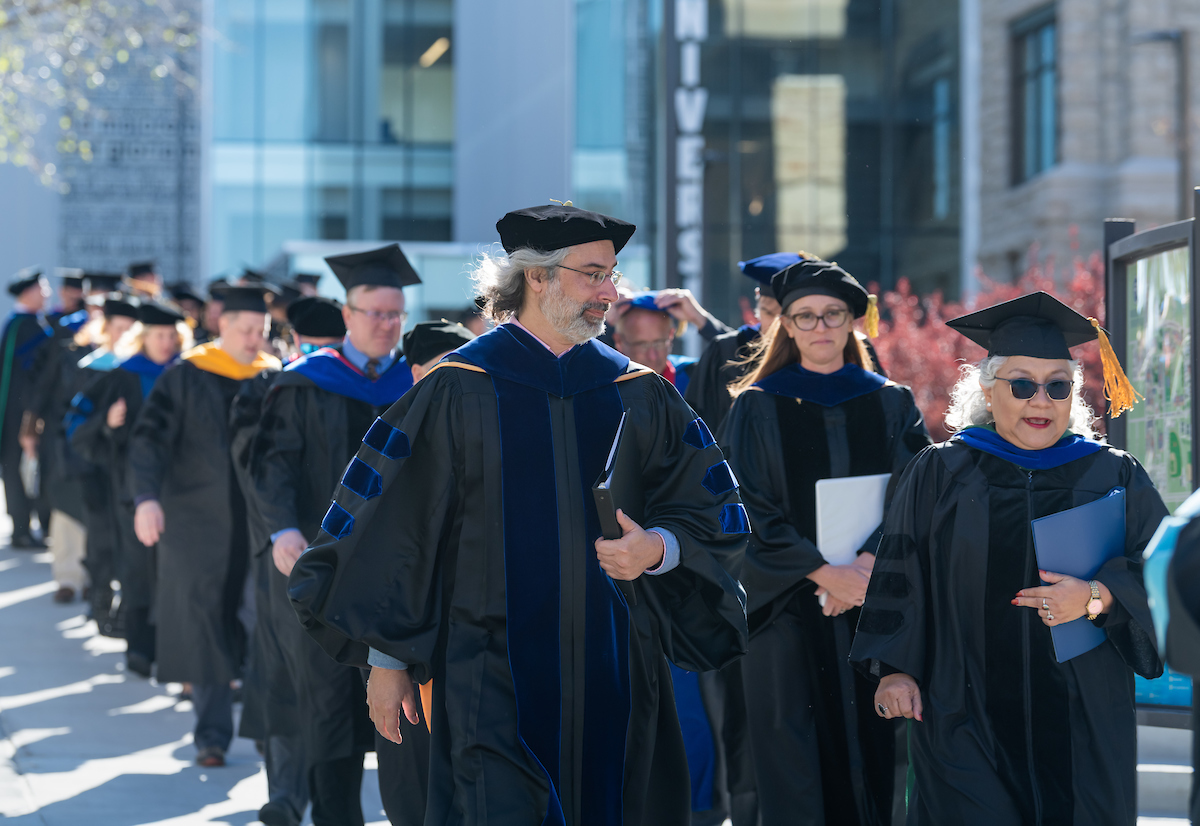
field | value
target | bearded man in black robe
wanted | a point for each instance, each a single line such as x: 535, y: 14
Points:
x: 188, y: 503
x: 463, y: 547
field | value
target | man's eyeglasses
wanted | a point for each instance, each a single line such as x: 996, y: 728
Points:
x: 381, y: 316
x: 1026, y: 389
x: 832, y: 318
x: 597, y: 278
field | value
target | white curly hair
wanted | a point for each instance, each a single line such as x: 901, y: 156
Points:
x: 968, y: 407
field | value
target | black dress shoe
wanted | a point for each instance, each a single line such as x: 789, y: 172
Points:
x: 274, y: 813
x: 27, y: 542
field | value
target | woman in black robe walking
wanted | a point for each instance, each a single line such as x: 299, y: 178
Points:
x: 957, y: 623
x: 811, y: 409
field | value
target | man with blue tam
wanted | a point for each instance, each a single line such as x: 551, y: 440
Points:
x: 646, y: 332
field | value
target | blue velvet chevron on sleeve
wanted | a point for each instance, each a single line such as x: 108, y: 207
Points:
x: 720, y: 480
x: 387, y: 440
x: 338, y: 522
x: 362, y: 479
x: 698, y: 435
x: 734, y: 519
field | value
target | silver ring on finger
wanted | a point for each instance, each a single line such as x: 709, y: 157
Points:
x: 882, y: 709
x: 1045, y: 607
x: 1049, y: 616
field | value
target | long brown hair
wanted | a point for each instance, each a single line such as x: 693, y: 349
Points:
x: 775, y: 350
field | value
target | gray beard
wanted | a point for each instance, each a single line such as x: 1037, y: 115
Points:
x: 567, y: 316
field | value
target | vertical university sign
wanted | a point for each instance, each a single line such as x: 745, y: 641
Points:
x: 684, y: 236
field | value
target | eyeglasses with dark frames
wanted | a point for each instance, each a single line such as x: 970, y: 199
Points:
x: 808, y: 321
x: 1025, y: 389
x: 597, y: 278
x: 385, y: 316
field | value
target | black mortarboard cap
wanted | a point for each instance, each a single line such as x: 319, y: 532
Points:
x: 103, y: 281
x: 23, y: 280
x: 242, y: 299
x: 119, y: 304
x: 429, y: 339
x: 141, y: 268
x: 1036, y: 325
x: 819, y: 278
x: 307, y: 278
x: 383, y: 267
x: 71, y: 277
x: 151, y: 312
x: 557, y: 226
x: 316, y: 317
x: 182, y: 291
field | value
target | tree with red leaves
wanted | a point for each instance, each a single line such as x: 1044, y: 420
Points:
x: 919, y: 350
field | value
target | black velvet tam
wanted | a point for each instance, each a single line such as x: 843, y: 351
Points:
x: 383, y: 267
x: 558, y: 226
x: 242, y: 299
x: 1036, y: 325
x: 139, y: 268
x: 151, y: 312
x: 102, y: 281
x: 316, y: 317
x: 23, y: 280
x: 71, y: 277
x: 819, y: 278
x: 430, y: 339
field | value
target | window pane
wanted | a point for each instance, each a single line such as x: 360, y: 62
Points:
x: 416, y: 84
x: 1049, y: 119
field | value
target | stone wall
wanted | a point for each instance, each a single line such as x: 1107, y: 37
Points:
x: 1117, y: 129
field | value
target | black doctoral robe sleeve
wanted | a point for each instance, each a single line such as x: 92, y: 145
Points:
x: 780, y: 557
x: 891, y: 634
x: 700, y: 604
x: 245, y: 416
x: 372, y: 576
x: 155, y: 434
x: 1129, y: 626
x: 708, y: 390
x: 88, y: 429
x: 277, y: 464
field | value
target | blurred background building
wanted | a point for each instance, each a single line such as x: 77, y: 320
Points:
x: 903, y: 138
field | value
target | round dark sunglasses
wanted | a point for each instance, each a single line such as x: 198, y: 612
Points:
x: 1025, y: 389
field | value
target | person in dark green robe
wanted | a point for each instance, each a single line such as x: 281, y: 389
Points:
x: 463, y: 546
x: 25, y: 333
x: 958, y: 618
x: 811, y: 408
x: 188, y: 503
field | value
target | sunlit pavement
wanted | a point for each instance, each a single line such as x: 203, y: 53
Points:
x: 83, y: 743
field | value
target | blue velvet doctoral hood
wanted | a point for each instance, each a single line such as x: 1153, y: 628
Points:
x: 825, y: 389
x: 510, y: 353
x: 146, y: 370
x: 1067, y: 449
x: 329, y: 370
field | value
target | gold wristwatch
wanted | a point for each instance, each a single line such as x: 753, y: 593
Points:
x: 1094, y: 606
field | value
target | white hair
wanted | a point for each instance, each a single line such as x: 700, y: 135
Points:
x: 968, y: 407
x: 500, y: 280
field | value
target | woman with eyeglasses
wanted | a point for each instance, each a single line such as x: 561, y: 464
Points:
x: 957, y: 626
x: 810, y: 408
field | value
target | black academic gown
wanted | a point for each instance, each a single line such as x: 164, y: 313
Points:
x: 59, y: 378
x: 23, y: 336
x: 179, y: 454
x: 820, y: 753
x: 467, y: 514
x: 708, y: 390
x: 1009, y: 734
x: 306, y: 437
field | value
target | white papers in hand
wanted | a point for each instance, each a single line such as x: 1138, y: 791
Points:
x: 849, y: 510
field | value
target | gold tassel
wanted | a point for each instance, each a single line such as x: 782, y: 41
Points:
x: 1118, y: 389
x: 871, y: 321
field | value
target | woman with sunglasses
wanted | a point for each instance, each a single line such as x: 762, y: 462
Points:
x: 810, y: 408
x: 957, y: 622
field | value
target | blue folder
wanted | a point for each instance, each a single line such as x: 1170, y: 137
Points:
x: 1077, y: 542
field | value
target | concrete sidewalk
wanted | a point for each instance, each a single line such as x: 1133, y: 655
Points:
x: 81, y: 742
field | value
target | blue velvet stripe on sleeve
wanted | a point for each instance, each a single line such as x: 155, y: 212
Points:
x: 698, y: 435
x: 387, y: 440
x: 719, y: 480
x: 362, y: 479
x: 734, y: 518
x: 338, y: 522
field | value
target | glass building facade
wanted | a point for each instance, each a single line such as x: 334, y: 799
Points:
x: 830, y: 126
x: 331, y: 119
